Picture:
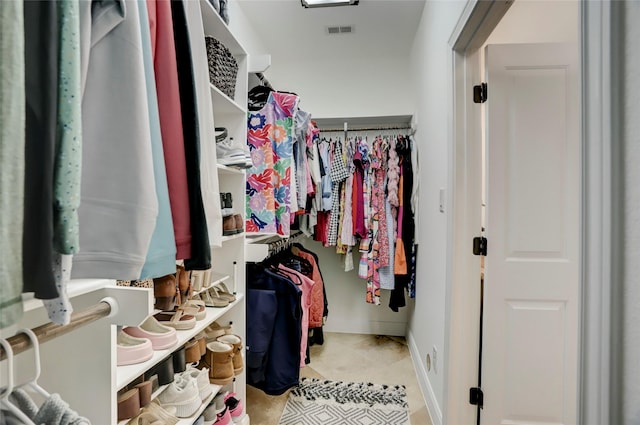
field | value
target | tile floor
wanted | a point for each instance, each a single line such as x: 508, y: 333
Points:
x: 351, y: 358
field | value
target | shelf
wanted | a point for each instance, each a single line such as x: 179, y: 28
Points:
x: 126, y: 374
x: 75, y: 288
x: 223, y: 104
x: 225, y: 169
x: 190, y: 420
x: 216, y: 278
x: 215, y: 27
x: 232, y: 237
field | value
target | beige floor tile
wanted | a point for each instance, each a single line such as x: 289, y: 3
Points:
x: 351, y: 358
x: 421, y: 417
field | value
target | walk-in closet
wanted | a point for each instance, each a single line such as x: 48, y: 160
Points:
x: 281, y: 212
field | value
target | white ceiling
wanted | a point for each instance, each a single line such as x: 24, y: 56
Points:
x: 384, y: 28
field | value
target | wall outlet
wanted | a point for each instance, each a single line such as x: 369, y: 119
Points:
x: 434, y: 359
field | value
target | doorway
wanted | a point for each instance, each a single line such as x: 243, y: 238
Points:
x: 500, y: 25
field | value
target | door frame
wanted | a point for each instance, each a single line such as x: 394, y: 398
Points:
x: 600, y: 194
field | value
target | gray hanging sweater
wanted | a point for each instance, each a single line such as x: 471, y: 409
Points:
x: 119, y: 205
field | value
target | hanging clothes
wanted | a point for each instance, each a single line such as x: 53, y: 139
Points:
x: 41, y: 90
x: 12, y: 159
x: 339, y: 173
x: 270, y: 139
x: 306, y: 286
x: 280, y: 366
x: 164, y: 57
x: 200, y: 258
x: 119, y: 205
x: 209, y: 183
x: 161, y: 256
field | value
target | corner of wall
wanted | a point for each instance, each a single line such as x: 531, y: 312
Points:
x: 435, y: 412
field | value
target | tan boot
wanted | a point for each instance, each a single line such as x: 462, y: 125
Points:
x: 236, y: 342
x: 165, y: 292
x: 219, y: 359
x: 183, y: 277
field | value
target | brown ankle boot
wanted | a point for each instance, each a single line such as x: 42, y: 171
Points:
x: 165, y: 292
x: 184, y: 284
x: 219, y: 360
x: 236, y: 342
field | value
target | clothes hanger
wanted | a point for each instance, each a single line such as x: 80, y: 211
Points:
x: 4, y: 400
x: 33, y: 383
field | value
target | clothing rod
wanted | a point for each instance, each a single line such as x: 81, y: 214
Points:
x: 277, y: 246
x: 264, y: 80
x: 335, y: 130
x: 49, y: 331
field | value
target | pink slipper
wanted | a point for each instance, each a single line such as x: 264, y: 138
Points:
x: 132, y: 350
x: 161, y: 336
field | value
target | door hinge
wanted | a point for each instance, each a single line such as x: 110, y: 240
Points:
x: 480, y: 93
x: 476, y: 396
x: 480, y: 246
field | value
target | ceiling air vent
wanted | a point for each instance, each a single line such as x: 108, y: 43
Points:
x: 347, y: 29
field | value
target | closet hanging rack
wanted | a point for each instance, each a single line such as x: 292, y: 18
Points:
x: 264, y: 248
x: 279, y: 245
x: 264, y: 80
x: 364, y: 129
x: 49, y: 331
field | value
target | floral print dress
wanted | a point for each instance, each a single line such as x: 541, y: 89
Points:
x: 268, y: 190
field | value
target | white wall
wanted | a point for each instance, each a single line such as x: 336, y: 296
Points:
x: 353, y: 86
x: 431, y: 80
x: 241, y: 27
x: 538, y: 21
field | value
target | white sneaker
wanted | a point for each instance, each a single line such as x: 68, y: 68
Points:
x: 201, y: 378
x: 183, y: 394
x: 229, y: 153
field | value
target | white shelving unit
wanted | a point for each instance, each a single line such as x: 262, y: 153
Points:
x: 228, y: 261
x: 231, y: 113
x: 126, y: 374
x: 81, y: 365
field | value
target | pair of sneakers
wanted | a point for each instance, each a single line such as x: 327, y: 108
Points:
x: 187, y: 391
x: 225, y: 409
x: 231, y: 153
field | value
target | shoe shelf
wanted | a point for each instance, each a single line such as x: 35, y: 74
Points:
x: 223, y: 103
x: 216, y: 278
x: 226, y: 169
x: 126, y: 374
x: 215, y: 389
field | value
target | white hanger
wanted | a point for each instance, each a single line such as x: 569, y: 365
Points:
x: 4, y: 400
x: 36, y: 354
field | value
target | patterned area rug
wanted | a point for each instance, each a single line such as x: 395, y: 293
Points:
x: 322, y: 402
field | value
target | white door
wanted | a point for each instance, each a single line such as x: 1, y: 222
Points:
x: 530, y: 350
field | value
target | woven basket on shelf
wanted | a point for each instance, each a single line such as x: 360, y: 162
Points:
x: 223, y: 68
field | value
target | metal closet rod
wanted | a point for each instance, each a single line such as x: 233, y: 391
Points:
x: 336, y: 130
x: 279, y: 245
x: 49, y: 331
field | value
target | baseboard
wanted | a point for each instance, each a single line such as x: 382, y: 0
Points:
x: 367, y: 327
x: 423, y: 381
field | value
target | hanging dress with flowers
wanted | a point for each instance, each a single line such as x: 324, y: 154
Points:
x: 270, y: 139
